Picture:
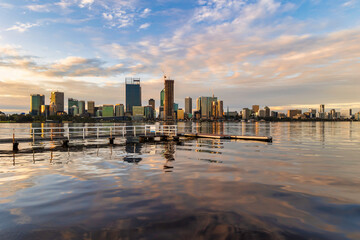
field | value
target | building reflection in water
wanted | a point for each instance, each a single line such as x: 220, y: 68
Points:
x: 133, y: 151
x: 169, y: 152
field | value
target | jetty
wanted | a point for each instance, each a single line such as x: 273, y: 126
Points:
x: 134, y: 133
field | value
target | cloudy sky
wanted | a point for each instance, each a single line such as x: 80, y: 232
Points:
x: 280, y: 53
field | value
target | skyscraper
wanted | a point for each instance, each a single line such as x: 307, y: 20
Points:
x: 322, y: 108
x: 108, y: 110
x: 152, y: 103
x: 56, y: 102
x: 188, y: 105
x: 267, y: 111
x: 132, y: 93
x: 36, y: 100
x: 91, y: 108
x: 169, y: 99
x: 206, y: 108
x: 220, y: 109
x: 119, y: 110
x: 72, y: 103
x: 81, y: 107
x: 162, y: 97
x: 255, y: 108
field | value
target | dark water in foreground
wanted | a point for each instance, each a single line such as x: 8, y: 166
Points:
x: 304, y: 185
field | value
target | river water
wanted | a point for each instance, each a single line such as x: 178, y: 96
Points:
x: 303, y: 185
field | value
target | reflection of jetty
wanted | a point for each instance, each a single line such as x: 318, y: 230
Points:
x: 222, y: 136
x: 137, y: 133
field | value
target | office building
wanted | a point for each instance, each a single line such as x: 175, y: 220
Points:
x: 162, y: 97
x: 56, y: 102
x: 91, y: 108
x: 132, y: 93
x: 152, y: 103
x: 198, y: 104
x: 255, y: 108
x: 45, y: 110
x: 72, y: 103
x: 292, y: 113
x: 36, y: 100
x: 108, y: 110
x: 322, y: 108
x: 267, y: 111
x: 180, y: 114
x: 188, y: 105
x: 206, y: 106
x: 220, y: 109
x: 119, y: 110
x: 261, y: 113
x: 246, y: 113
x: 81, y: 107
x: 168, y: 99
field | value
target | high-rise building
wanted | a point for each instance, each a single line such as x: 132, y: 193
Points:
x: 36, y: 100
x: 180, y: 114
x: 255, y: 108
x: 292, y: 113
x: 152, y: 103
x: 169, y: 99
x: 108, y: 110
x: 246, y: 113
x: 132, y: 93
x: 220, y: 109
x: 206, y: 106
x: 188, y: 105
x: 322, y: 108
x: 91, y: 108
x: 162, y: 97
x: 45, y: 110
x: 81, y: 107
x: 72, y: 103
x: 56, y: 102
x: 119, y: 110
x: 267, y: 111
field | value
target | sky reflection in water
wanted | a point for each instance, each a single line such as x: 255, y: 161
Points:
x: 303, y: 185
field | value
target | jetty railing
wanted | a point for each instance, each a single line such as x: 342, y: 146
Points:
x: 94, y: 132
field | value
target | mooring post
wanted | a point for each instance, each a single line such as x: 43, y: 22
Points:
x: 15, y: 144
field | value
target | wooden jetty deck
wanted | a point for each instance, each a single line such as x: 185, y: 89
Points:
x: 142, y: 133
x: 222, y: 136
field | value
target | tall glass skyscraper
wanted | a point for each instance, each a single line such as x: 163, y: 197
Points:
x: 132, y: 93
x: 36, y: 100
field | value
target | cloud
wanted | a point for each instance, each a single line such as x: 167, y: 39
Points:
x: 349, y: 3
x: 22, y: 27
x: 39, y: 7
x: 6, y: 5
x: 144, y: 26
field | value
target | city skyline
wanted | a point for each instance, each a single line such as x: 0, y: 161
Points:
x: 281, y: 54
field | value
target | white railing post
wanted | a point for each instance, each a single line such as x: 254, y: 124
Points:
x: 68, y: 131
x: 145, y: 129
x: 123, y: 131
x: 135, y: 131
x: 33, y: 132
x: 83, y: 133
x: 110, y: 132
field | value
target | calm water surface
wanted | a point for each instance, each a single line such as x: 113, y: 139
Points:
x: 304, y: 185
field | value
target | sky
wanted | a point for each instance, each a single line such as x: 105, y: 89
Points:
x: 277, y: 53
